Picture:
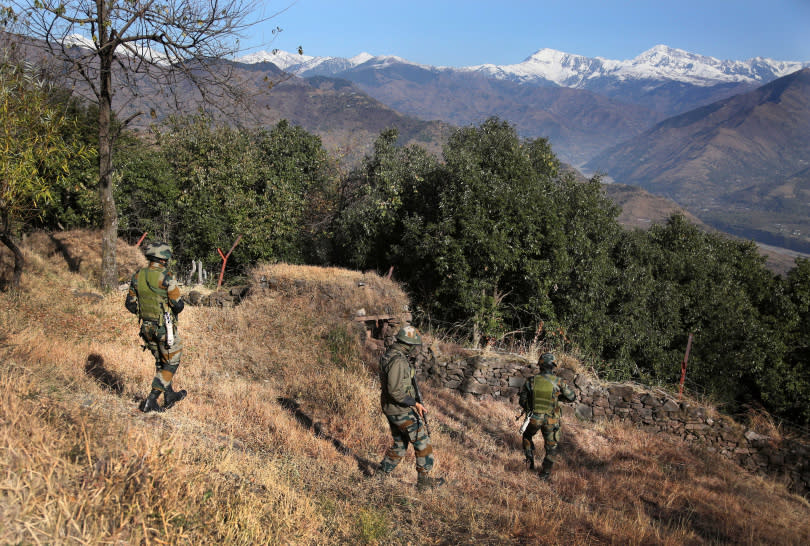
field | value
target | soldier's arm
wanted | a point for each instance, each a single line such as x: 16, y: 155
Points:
x: 525, y: 394
x: 131, y: 303
x: 399, y: 382
x: 567, y: 392
x: 173, y: 293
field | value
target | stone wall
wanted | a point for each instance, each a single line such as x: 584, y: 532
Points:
x: 501, y: 376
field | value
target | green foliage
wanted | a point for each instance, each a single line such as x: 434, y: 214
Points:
x: 33, y: 154
x: 493, y: 234
x: 372, y: 198
x: 227, y: 182
x: 147, y: 192
x: 74, y: 197
x: 372, y: 525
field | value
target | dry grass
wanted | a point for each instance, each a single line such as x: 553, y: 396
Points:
x: 281, y: 421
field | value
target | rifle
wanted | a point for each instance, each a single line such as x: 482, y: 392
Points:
x: 419, y: 399
x: 167, y: 321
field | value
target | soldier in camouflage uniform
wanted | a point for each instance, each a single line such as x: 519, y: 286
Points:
x: 403, y: 408
x: 539, y: 398
x: 152, y: 292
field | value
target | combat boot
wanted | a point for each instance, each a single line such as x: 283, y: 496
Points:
x: 425, y: 482
x: 151, y: 403
x: 545, y: 470
x: 171, y: 397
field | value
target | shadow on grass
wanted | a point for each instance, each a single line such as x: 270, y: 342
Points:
x: 366, y: 467
x: 73, y: 263
x: 95, y: 368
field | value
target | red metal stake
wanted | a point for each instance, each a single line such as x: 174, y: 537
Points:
x: 142, y: 238
x: 683, y: 366
x: 225, y: 260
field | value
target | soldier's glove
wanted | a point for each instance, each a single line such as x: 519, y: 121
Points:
x: 179, y: 306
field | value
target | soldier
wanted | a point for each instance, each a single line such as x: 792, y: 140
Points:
x: 154, y: 295
x: 402, y: 406
x: 539, y: 399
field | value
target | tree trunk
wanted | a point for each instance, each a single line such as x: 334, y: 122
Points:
x: 19, y: 260
x: 109, y: 230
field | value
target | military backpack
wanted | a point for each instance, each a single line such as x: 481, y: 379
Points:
x: 151, y: 298
x: 544, y: 399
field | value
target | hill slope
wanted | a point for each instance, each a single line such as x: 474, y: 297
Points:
x: 282, y: 420
x: 735, y: 163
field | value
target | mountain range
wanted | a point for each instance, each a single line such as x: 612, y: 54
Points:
x: 741, y: 164
x: 583, y: 105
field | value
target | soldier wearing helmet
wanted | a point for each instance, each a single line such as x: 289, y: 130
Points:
x: 153, y: 292
x: 539, y: 398
x: 404, y: 409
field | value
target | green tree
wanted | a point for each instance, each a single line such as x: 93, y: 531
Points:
x: 147, y: 192
x: 269, y: 186
x: 792, y: 397
x: 74, y: 197
x: 376, y: 197
x: 127, y: 42
x: 33, y: 152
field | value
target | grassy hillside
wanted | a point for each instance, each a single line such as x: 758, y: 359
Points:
x: 282, y: 424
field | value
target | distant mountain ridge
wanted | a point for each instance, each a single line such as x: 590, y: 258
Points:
x: 741, y: 164
x: 583, y: 105
x: 565, y: 69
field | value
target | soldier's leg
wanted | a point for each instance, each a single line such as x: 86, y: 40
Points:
x: 528, y: 440
x: 422, y: 446
x: 167, y: 365
x: 423, y: 449
x: 399, y: 432
x: 551, y: 437
x: 151, y: 340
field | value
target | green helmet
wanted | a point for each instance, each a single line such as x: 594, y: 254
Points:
x: 409, y: 335
x: 158, y: 251
x: 547, y: 361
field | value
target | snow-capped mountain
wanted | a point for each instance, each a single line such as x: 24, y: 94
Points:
x: 307, y: 66
x: 659, y: 63
x: 549, y: 66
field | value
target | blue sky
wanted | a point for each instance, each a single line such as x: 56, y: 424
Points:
x: 471, y: 32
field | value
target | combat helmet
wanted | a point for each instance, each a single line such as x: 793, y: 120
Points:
x: 158, y: 251
x: 547, y: 361
x: 409, y: 335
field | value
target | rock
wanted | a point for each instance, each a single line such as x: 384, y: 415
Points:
x: 517, y: 382
x: 752, y: 436
x: 584, y: 412
x: 472, y: 386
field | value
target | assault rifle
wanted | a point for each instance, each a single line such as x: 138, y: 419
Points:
x: 167, y: 321
x: 419, y: 399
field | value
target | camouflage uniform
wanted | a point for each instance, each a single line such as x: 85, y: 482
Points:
x: 398, y: 398
x: 539, y: 397
x: 152, y: 290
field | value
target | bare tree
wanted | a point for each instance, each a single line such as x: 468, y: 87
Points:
x: 148, y: 47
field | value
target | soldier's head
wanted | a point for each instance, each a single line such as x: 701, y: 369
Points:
x: 409, y: 336
x: 547, y: 362
x: 158, y: 252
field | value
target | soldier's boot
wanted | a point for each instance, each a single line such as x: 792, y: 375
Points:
x: 545, y: 470
x: 171, y: 397
x: 425, y: 482
x: 151, y: 403
x: 530, y: 462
